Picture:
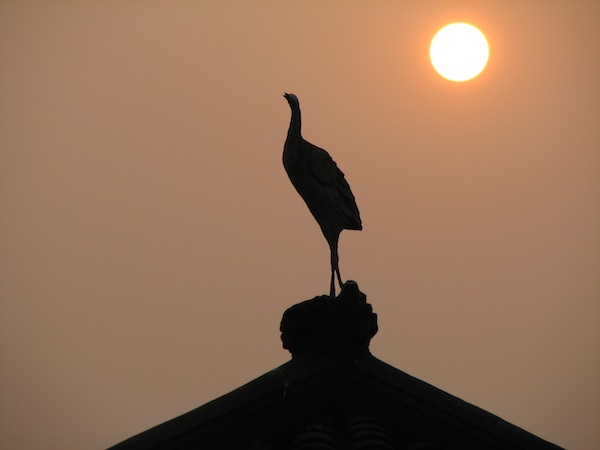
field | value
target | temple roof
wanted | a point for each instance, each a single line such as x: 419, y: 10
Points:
x: 310, y: 400
x: 334, y: 394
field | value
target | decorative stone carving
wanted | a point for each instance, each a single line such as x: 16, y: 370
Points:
x: 343, y: 326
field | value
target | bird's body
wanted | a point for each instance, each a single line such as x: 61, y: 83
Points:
x: 322, y: 185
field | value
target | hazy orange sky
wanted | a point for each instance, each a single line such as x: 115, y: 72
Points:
x: 150, y: 239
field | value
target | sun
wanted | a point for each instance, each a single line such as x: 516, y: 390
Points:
x: 459, y: 52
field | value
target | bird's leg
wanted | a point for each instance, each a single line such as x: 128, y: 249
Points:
x: 335, y: 270
x: 332, y: 287
x: 339, y: 277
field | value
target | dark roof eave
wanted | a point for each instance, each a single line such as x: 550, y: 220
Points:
x: 300, y: 376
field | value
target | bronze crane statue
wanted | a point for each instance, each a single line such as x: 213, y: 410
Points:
x: 322, y: 185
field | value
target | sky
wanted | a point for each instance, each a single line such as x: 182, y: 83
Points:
x: 150, y: 239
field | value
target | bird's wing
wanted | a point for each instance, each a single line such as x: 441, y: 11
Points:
x: 322, y: 166
x: 326, y: 171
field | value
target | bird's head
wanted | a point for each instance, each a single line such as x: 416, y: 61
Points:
x: 292, y: 100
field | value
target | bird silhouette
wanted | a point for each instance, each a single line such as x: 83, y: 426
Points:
x: 322, y: 185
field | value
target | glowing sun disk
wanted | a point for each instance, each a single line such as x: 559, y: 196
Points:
x: 459, y: 52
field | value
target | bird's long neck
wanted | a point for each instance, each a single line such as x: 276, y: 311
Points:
x: 295, y: 122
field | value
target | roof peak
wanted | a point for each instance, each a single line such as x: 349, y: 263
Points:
x: 323, y: 326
